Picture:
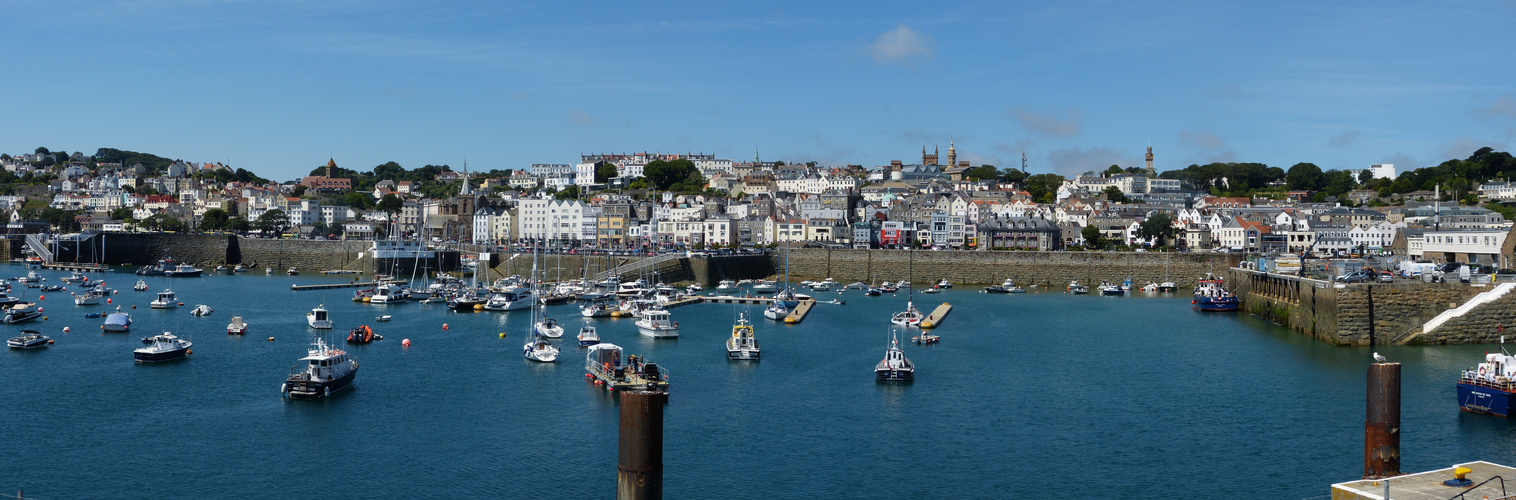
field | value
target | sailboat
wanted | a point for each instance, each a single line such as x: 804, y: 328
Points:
x: 910, y: 316
x: 1167, y: 285
x: 537, y: 347
x: 786, y: 297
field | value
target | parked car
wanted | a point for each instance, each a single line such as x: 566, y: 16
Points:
x: 1386, y: 277
x: 1355, y: 277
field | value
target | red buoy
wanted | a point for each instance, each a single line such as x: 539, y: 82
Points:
x: 444, y: 326
x: 405, y: 343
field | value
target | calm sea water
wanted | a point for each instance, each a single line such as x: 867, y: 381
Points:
x: 1027, y: 396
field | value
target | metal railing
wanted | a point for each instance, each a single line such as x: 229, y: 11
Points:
x: 1503, y: 494
x: 39, y: 246
x: 639, y: 267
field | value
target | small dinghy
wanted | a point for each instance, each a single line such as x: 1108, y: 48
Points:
x: 202, y: 310
x: 382, y: 319
x: 363, y: 335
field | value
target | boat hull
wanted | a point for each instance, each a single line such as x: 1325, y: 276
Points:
x: 300, y: 388
x: 182, y: 274
x: 1217, y: 304
x: 160, y: 356
x: 20, y: 318
x: 1481, y: 399
x: 742, y: 355
x: 659, y: 333
x: 894, y: 375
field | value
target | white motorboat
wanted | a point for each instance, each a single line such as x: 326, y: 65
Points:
x: 663, y: 295
x: 1167, y: 286
x: 932, y: 290
x: 776, y: 311
x: 89, y: 298
x: 766, y: 287
x: 166, y: 347
x: 1078, y: 289
x: 727, y: 286
x: 1151, y: 287
x: 318, y: 318
x: 895, y: 367
x: 236, y: 327
x: 549, y: 328
x: 944, y: 284
x: 658, y: 324
x: 141, y: 286
x: 201, y: 310
x: 20, y: 313
x: 1107, y: 288
x: 29, y: 339
x: 821, y: 287
x: 597, y: 309
x: 382, y: 318
x: 165, y: 300
x: 588, y: 336
x: 509, y: 300
x: 693, y: 288
x: 326, y: 371
x: 742, y: 345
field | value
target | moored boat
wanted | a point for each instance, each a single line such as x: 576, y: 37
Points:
x: 236, y: 327
x: 895, y: 367
x: 1107, y: 288
x: 909, y: 317
x: 548, y: 327
x: 742, y: 345
x: 363, y: 335
x: 165, y: 300
x: 21, y: 313
x: 117, y: 322
x: 658, y: 324
x: 1488, y: 387
x: 727, y: 286
x: 1211, y: 295
x: 141, y: 286
x: 318, y: 318
x: 326, y: 371
x: 588, y: 336
x: 201, y: 310
x: 776, y: 311
x: 166, y: 347
x: 29, y: 339
x: 1078, y: 289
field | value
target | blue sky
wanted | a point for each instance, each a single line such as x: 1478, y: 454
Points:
x: 277, y: 87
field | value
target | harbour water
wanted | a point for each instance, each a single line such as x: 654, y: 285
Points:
x: 1028, y: 396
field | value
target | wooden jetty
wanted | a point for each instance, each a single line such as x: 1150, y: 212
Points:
x: 801, y: 310
x: 682, y: 302
x: 76, y: 267
x: 329, y: 286
x: 934, y: 319
x: 728, y: 299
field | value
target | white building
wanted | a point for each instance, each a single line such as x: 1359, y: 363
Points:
x: 547, y: 220
x: 1474, y: 246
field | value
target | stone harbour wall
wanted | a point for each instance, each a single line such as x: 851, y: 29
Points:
x: 1483, y: 325
x: 209, y: 250
x: 1047, y: 269
x: 305, y: 255
x: 1340, y: 313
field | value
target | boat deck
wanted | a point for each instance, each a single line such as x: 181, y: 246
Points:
x: 330, y: 286
x: 1428, y: 485
x: 934, y: 319
x: 800, y: 312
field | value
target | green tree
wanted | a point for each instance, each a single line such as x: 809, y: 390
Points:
x: 272, y: 222
x: 1112, y: 170
x: 358, y: 201
x: 604, y: 172
x: 1157, y: 228
x: 983, y: 172
x: 663, y: 175
x: 1114, y: 194
x: 214, y: 219
x: 390, y: 204
x: 1092, y: 237
x: 568, y: 193
x: 1304, y: 177
x: 1044, y: 187
x: 240, y: 225
x: 122, y: 213
x: 299, y: 191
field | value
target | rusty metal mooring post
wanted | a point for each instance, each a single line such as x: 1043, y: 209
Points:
x: 1381, y: 426
x: 639, y: 468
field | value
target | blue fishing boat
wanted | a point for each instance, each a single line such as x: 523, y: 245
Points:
x: 1211, y: 295
x: 1487, y: 388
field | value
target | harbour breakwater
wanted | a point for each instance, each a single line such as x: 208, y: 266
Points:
x: 1362, y: 314
x: 1044, y: 269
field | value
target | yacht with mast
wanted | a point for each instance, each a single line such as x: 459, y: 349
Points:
x: 537, y: 347
x: 910, y: 316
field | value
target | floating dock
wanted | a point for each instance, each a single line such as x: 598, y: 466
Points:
x: 727, y: 299
x: 329, y: 286
x: 682, y: 302
x: 1482, y: 477
x: 77, y: 267
x: 800, y: 311
x: 934, y: 319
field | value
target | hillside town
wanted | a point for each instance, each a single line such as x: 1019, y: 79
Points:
x: 687, y: 201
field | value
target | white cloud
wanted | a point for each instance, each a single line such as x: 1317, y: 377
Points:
x: 1343, y: 139
x: 1075, y: 161
x: 1504, y: 106
x: 582, y: 117
x: 1054, y: 121
x: 1210, y: 147
x: 901, y: 45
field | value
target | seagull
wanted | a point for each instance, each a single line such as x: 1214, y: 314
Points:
x: 1379, y: 357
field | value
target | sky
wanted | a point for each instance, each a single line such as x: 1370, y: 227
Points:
x: 278, y: 87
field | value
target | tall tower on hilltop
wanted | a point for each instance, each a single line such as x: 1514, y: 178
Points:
x: 929, y: 159
x: 1151, y: 172
x: 331, y: 168
x: 952, y: 159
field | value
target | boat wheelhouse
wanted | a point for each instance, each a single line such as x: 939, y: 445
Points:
x: 326, y: 371
x: 166, y: 347
x: 895, y: 367
x: 165, y: 300
x: 742, y: 345
x: 1211, y: 295
x: 318, y: 318
x: 658, y: 324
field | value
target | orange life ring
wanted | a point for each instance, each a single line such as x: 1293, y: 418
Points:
x: 1481, y: 370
